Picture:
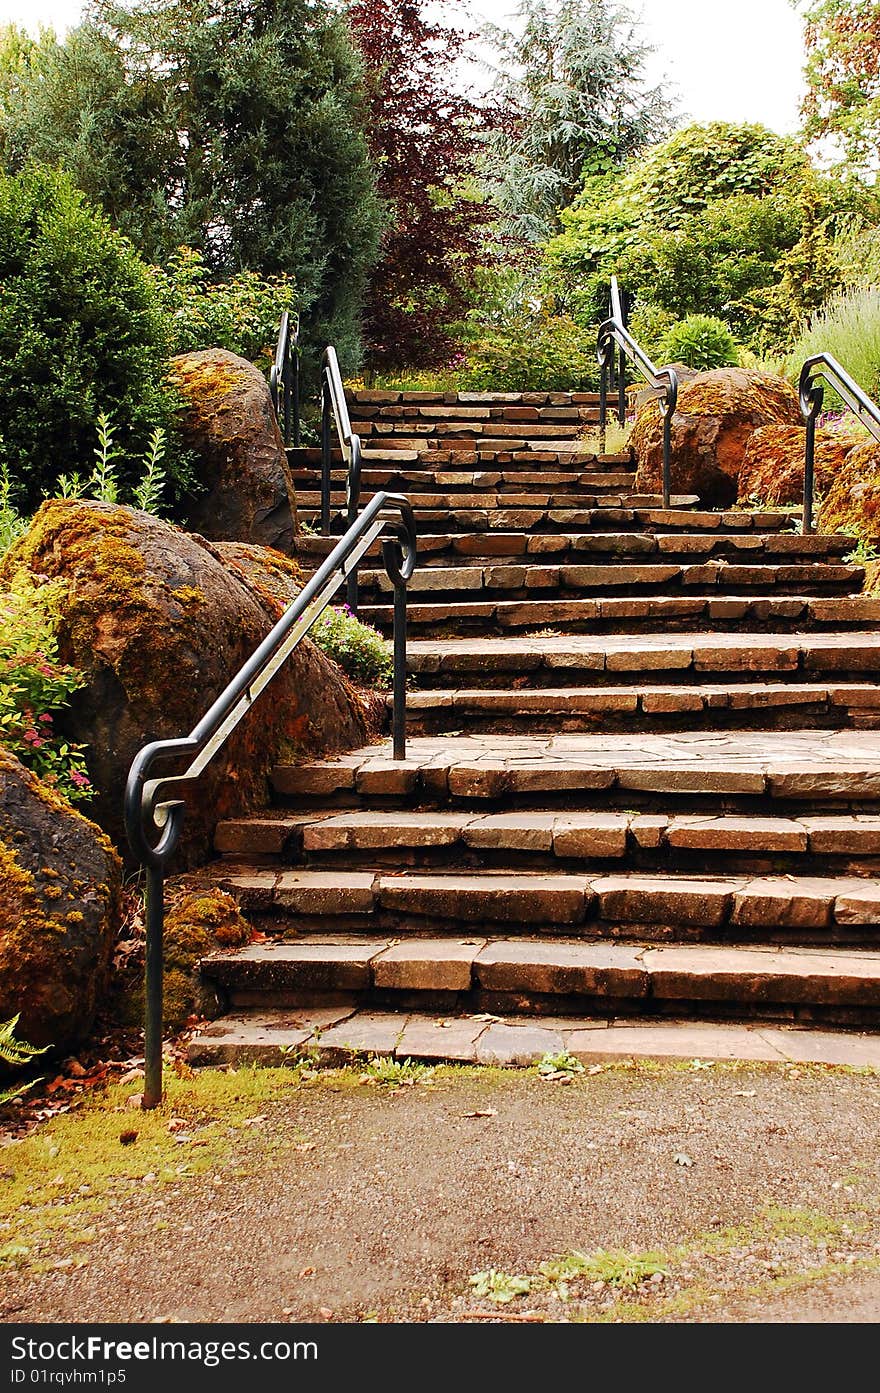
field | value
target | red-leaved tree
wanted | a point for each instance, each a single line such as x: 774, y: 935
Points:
x: 423, y: 133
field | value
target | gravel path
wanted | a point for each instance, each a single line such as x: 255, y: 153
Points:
x: 757, y: 1190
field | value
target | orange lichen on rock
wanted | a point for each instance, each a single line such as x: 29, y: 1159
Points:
x: 716, y: 416
x: 229, y: 424
x: 60, y: 909
x: 852, y: 503
x: 159, y: 621
x: 772, y: 470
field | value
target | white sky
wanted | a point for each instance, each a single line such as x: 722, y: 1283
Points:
x: 734, y: 62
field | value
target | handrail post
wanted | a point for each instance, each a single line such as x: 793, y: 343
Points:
x: 603, y: 402
x: 667, y: 458
x: 294, y: 391
x: 621, y: 388
x: 809, y: 471
x: 398, y: 716
x: 326, y: 455
x: 155, y: 933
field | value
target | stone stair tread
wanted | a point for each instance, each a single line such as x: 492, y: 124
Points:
x: 644, y: 972
x: 565, y: 900
x: 565, y: 833
x: 857, y: 650
x: 612, y: 574
x: 275, y: 1036
x: 650, y: 696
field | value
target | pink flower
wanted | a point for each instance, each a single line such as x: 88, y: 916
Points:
x: 79, y: 779
x: 45, y: 717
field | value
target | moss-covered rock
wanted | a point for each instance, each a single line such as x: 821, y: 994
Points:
x: 60, y: 910
x: 230, y: 425
x: 159, y: 621
x: 852, y: 503
x: 717, y: 414
x: 772, y: 470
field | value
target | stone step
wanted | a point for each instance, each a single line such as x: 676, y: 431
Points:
x: 610, y: 576
x: 341, y: 1032
x: 427, y: 456
x: 382, y: 397
x: 635, y: 615
x: 461, y: 483
x: 766, y: 768
x: 469, y: 499
x: 632, y: 519
x: 651, y: 707
x: 485, y: 415
x: 562, y: 973
x: 536, y: 837
x: 570, y: 548
x: 600, y: 510
x: 575, y: 658
x: 467, y: 431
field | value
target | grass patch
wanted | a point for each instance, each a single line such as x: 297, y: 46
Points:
x: 59, y: 1179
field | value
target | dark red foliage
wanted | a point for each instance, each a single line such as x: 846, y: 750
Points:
x: 423, y: 137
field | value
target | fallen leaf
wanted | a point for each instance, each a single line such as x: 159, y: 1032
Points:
x: 681, y: 1158
x: 306, y: 1272
x: 128, y: 1138
x: 482, y: 1112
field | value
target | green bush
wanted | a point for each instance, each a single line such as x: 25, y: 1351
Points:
x: 700, y: 342
x: 543, y: 353
x: 240, y: 314
x: 359, y: 649
x: 33, y: 685
x: 649, y: 324
x: 849, y: 329
x: 81, y: 333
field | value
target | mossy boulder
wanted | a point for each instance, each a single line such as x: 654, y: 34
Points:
x: 159, y: 621
x: 60, y: 910
x: 717, y: 414
x: 852, y: 503
x: 229, y: 423
x: 772, y: 470
x: 198, y: 922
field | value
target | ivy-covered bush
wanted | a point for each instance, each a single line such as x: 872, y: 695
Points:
x: 700, y: 342
x: 726, y: 220
x: 359, y: 649
x: 240, y: 314
x: 34, y: 685
x: 81, y: 333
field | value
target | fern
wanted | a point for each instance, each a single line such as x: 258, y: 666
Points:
x: 16, y: 1053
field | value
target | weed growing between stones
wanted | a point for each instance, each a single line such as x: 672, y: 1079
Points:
x: 359, y: 649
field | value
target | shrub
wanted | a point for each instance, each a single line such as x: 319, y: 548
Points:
x: 649, y: 324
x: 849, y: 329
x: 543, y: 353
x: 81, y: 333
x: 699, y: 342
x: 359, y: 649
x: 240, y: 314
x: 33, y: 685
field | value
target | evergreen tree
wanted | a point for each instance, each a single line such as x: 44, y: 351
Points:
x: 232, y: 126
x: 573, y: 103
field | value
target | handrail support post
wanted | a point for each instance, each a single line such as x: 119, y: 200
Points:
x: 667, y: 457
x: 809, y: 472
x: 603, y: 403
x: 398, y: 716
x: 326, y: 457
x: 155, y: 933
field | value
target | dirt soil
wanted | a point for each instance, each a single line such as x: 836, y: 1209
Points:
x: 695, y: 1193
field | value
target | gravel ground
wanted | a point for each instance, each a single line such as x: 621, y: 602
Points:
x: 757, y: 1191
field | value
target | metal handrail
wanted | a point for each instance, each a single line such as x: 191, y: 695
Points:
x: 811, y: 393
x: 284, y: 378
x: 334, y: 409
x: 664, y: 380
x: 153, y: 805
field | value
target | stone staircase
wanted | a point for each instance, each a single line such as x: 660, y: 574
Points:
x: 642, y: 784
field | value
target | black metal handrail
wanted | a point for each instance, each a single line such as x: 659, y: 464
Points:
x: 811, y: 391
x: 284, y: 378
x: 153, y: 805
x: 664, y: 381
x: 334, y: 409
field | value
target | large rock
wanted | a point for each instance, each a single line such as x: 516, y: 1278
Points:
x: 60, y: 895
x: 230, y: 425
x: 159, y: 622
x: 772, y: 470
x: 717, y: 413
x: 852, y: 503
